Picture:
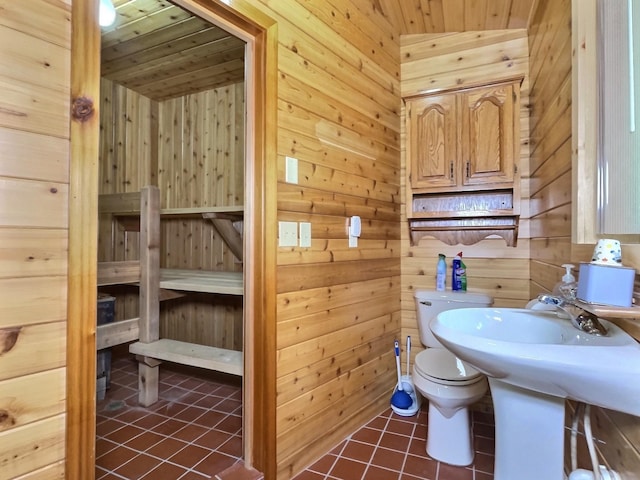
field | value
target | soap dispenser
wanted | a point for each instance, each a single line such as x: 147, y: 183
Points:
x: 568, y: 287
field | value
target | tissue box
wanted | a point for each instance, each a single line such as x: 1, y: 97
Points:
x: 606, y: 285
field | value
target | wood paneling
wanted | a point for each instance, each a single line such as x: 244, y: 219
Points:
x: 552, y: 189
x: 456, y: 15
x: 445, y: 61
x: 34, y: 185
x: 338, y: 308
x: 162, y: 51
x: 193, y: 147
x: 339, y: 114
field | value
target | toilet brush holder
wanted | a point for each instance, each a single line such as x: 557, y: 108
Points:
x: 416, y: 399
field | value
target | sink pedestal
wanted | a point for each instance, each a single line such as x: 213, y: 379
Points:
x: 529, y: 433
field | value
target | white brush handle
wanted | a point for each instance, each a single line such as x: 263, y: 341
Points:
x: 397, y: 350
x: 408, y: 354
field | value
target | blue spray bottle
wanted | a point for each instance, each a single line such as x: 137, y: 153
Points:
x: 458, y: 274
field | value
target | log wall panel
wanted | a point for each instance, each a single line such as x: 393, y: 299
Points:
x: 338, y: 114
x: 34, y: 178
x: 34, y: 156
x: 551, y: 186
x: 31, y: 447
x: 442, y: 62
x: 32, y: 405
x: 192, y: 146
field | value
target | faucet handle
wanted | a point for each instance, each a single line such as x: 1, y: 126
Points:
x: 551, y: 300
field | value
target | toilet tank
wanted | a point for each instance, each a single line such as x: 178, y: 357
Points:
x: 430, y: 303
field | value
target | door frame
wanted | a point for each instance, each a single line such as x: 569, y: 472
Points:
x: 259, y: 381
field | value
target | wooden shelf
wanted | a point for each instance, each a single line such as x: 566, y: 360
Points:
x: 607, y: 311
x: 231, y: 211
x: 230, y: 283
x: 140, y: 212
x: 466, y: 231
x: 210, y: 358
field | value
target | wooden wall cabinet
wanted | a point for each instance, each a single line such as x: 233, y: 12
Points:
x: 462, y: 172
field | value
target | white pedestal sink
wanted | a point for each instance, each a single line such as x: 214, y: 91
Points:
x: 535, y: 360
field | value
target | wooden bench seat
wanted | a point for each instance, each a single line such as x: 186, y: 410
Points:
x: 210, y: 358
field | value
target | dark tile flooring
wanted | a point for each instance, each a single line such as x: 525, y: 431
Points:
x: 195, y: 432
x: 392, y: 447
x: 192, y: 433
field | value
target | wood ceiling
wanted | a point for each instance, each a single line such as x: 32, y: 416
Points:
x: 440, y: 16
x: 163, y: 51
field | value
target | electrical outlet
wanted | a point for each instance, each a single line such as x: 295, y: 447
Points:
x: 305, y: 234
x: 287, y: 234
x: 291, y: 170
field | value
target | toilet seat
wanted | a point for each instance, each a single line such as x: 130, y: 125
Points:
x: 441, y: 366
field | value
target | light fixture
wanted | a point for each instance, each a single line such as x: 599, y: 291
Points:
x: 107, y: 13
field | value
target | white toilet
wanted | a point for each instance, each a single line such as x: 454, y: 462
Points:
x: 449, y: 384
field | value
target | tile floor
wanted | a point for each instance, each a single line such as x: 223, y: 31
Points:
x: 195, y: 432
x: 192, y: 433
x: 391, y: 447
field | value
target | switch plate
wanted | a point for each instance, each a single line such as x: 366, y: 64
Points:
x: 291, y: 170
x: 305, y: 234
x: 353, y: 241
x: 287, y: 234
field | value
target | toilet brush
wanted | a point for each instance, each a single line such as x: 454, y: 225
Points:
x: 400, y: 398
x: 408, y: 355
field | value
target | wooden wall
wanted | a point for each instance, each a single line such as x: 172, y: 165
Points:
x: 34, y: 186
x: 442, y: 61
x: 551, y: 192
x: 192, y: 147
x: 338, y: 307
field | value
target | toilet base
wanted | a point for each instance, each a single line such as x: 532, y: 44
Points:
x: 449, y: 440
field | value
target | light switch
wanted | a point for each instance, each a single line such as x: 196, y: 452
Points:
x: 291, y: 170
x: 305, y: 234
x: 287, y: 234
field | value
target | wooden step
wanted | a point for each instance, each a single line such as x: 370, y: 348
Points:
x: 210, y: 358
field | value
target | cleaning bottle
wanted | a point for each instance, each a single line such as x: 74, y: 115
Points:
x: 441, y: 273
x: 568, y: 287
x: 458, y: 274
x: 462, y: 272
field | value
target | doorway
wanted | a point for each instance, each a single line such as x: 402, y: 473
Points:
x: 259, y: 304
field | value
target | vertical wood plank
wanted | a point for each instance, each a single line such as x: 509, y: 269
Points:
x: 83, y: 214
x: 149, y: 263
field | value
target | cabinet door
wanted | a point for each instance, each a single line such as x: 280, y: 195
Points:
x: 487, y: 135
x: 431, y: 130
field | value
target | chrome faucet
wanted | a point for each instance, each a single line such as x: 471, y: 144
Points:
x: 581, y: 319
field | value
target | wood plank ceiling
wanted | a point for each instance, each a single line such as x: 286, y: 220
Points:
x: 162, y: 51
x: 442, y: 16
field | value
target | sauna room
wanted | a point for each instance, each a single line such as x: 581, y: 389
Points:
x: 171, y: 184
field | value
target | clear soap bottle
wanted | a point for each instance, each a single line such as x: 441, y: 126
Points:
x: 568, y: 287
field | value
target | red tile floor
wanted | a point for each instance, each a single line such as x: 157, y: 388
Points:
x: 192, y: 433
x: 391, y: 447
x: 195, y: 432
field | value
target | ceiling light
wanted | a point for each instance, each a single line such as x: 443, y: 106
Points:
x: 107, y: 13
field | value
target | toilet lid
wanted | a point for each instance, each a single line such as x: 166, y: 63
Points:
x: 444, y: 367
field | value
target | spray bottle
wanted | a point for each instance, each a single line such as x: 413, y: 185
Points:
x: 441, y: 273
x: 458, y: 274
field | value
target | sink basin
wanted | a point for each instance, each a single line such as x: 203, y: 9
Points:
x: 540, y: 351
x: 534, y: 360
